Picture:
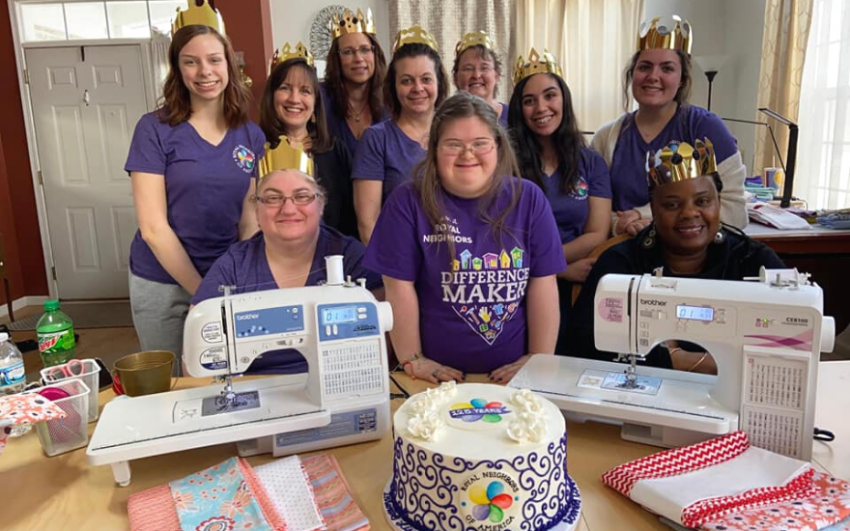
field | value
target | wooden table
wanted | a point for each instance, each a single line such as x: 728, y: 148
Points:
x: 824, y: 253
x: 65, y: 492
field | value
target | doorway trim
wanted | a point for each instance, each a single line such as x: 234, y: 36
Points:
x: 29, y: 123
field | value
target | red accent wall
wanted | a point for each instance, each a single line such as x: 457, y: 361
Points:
x: 18, y: 214
x: 249, y: 27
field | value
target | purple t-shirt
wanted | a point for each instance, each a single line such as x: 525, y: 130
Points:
x: 245, y: 266
x: 337, y: 125
x: 628, y: 167
x: 386, y: 154
x: 472, y: 309
x: 572, y: 209
x: 205, y: 187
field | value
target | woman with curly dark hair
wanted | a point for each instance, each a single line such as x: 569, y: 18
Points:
x: 191, y: 163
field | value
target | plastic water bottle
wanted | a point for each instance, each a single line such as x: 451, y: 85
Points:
x: 55, y: 332
x: 13, y: 377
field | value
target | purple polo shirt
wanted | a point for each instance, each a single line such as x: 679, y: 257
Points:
x: 472, y: 309
x: 386, y: 154
x: 245, y: 266
x: 205, y: 187
x: 628, y: 167
x: 572, y: 209
x: 337, y: 125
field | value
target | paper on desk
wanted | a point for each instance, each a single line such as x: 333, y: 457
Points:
x: 776, y: 217
x: 289, y: 491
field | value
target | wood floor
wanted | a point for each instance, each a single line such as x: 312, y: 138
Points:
x: 108, y: 344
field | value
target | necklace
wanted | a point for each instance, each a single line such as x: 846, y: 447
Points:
x: 356, y: 114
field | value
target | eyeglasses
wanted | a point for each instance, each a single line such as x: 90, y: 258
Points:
x: 483, y: 69
x: 478, y: 147
x: 302, y: 198
x: 364, y: 51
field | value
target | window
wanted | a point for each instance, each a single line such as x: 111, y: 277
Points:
x: 105, y: 19
x: 823, y: 174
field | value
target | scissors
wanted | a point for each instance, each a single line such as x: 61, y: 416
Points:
x: 71, y: 369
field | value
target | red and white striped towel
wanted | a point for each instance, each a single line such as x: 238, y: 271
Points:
x: 699, y: 483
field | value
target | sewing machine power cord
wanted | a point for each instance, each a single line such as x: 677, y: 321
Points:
x: 823, y: 435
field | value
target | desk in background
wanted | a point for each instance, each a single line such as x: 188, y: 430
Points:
x: 65, y: 492
x: 824, y: 253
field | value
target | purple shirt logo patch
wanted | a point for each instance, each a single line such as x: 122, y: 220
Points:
x: 244, y: 157
x: 581, y: 189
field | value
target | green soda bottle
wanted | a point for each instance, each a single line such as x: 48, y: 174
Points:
x: 55, y: 332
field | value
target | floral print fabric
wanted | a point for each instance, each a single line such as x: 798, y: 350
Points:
x: 829, y: 505
x: 217, y: 499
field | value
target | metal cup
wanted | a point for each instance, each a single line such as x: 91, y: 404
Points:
x: 146, y: 373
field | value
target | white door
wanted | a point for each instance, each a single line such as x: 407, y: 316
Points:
x: 86, y: 101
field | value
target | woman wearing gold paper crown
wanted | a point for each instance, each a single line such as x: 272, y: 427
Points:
x: 469, y: 254
x: 552, y: 153
x: 191, y: 163
x: 685, y: 238
x: 416, y: 85
x: 290, y: 249
x: 477, y: 70
x: 354, y: 78
x: 659, y: 77
x: 292, y: 106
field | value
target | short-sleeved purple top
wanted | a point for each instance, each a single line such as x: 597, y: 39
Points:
x: 503, y: 118
x: 205, y: 186
x: 245, y: 266
x: 572, y: 209
x: 386, y: 154
x: 628, y: 167
x: 472, y: 307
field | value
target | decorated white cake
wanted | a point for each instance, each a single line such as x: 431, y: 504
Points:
x: 480, y: 457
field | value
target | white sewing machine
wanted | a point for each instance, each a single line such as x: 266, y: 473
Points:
x: 765, y: 336
x: 343, y: 399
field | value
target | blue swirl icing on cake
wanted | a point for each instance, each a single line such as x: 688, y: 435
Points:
x: 476, y: 478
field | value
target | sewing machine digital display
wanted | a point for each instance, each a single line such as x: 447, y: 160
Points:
x: 695, y: 313
x: 340, y: 314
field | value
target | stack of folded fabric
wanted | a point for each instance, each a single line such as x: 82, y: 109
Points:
x: 287, y: 494
x: 726, y: 484
x: 836, y: 219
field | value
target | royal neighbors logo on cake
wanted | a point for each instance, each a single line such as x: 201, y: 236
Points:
x: 490, y: 501
x: 478, y: 414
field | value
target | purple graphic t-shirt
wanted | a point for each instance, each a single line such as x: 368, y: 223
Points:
x: 628, y: 165
x: 386, y: 154
x: 572, y: 209
x: 472, y: 307
x: 205, y: 187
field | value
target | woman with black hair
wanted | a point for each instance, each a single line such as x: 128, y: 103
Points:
x: 685, y: 239
x: 552, y: 153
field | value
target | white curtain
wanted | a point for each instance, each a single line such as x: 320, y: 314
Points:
x: 822, y: 176
x: 592, y: 39
x: 159, y: 60
x: 449, y: 20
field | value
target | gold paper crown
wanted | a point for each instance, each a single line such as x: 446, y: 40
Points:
x: 413, y: 35
x: 535, y: 65
x: 287, y: 53
x: 203, y: 15
x: 351, y: 23
x: 679, y: 162
x: 285, y: 157
x: 662, y: 34
x: 475, y: 38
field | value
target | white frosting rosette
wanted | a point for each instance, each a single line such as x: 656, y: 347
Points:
x: 529, y: 425
x: 425, y: 422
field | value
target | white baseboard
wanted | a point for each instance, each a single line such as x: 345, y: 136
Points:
x: 23, y: 302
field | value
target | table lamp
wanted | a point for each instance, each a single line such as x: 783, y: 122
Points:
x: 711, y: 65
